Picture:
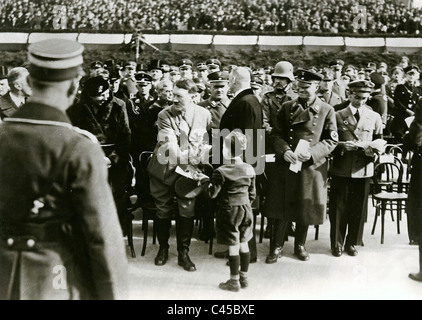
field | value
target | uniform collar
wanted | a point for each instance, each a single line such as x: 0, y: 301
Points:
x: 38, y: 111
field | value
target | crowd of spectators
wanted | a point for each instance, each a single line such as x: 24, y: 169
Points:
x: 304, y: 16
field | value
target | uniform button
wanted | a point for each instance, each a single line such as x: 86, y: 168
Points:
x: 314, y: 124
x: 291, y: 138
x: 30, y: 243
x: 316, y: 117
x: 312, y: 131
x: 291, y: 129
x: 310, y: 140
x: 10, y: 242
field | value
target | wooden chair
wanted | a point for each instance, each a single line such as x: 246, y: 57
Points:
x: 387, y: 172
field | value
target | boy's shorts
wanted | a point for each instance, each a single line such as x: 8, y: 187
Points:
x: 234, y: 224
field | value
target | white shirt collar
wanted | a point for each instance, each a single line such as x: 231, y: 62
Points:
x: 353, y: 109
x: 17, y: 100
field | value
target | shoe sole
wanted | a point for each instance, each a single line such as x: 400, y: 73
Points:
x: 229, y: 289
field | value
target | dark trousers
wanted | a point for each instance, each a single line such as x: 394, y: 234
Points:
x: 280, y: 231
x: 347, y: 210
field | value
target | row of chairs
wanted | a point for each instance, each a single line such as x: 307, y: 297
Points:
x: 388, y: 191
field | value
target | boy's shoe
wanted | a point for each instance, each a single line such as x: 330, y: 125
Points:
x: 230, y: 285
x: 243, y: 282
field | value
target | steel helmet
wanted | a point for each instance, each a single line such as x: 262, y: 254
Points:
x: 283, y: 69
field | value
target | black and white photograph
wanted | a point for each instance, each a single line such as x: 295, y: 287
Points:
x: 210, y: 155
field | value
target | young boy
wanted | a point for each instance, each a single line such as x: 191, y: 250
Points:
x: 233, y: 184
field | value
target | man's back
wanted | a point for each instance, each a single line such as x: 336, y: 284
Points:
x: 56, y: 198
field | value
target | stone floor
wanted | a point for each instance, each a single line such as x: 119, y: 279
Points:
x: 378, y: 272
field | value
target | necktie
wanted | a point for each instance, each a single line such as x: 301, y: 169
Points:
x: 357, y: 117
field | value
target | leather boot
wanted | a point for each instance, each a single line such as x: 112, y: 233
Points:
x: 184, y: 229
x: 163, y: 235
x: 277, y: 241
x: 300, y: 240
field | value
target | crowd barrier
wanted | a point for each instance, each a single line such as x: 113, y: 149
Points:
x: 15, y: 41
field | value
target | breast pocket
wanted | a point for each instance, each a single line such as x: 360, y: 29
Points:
x: 366, y: 133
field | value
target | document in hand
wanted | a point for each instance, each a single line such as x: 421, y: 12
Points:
x: 409, y: 120
x: 302, y: 146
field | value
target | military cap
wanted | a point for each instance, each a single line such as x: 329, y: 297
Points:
x: 328, y: 74
x: 213, y: 62
x: 114, y: 75
x: 218, y: 77
x: 308, y: 76
x: 201, y: 66
x: 397, y: 68
x: 143, y: 78
x: 3, y: 72
x: 96, y: 65
x: 256, y: 82
x: 338, y: 63
x: 55, y: 59
x: 361, y: 86
x: 350, y: 66
x: 129, y: 63
x: 377, y: 79
x: 156, y: 64
x: 185, y: 63
x: 187, y: 188
x: 383, y: 65
x: 95, y: 86
x: 411, y: 67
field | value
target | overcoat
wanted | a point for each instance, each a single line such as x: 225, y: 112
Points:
x: 59, y: 233
x: 302, y: 197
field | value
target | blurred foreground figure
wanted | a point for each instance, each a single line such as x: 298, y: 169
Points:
x: 60, y: 236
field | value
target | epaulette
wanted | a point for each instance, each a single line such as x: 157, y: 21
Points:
x: 86, y: 134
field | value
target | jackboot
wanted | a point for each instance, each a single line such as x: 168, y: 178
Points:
x: 184, y: 229
x: 163, y: 235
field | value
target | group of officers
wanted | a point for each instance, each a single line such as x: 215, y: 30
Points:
x: 323, y: 128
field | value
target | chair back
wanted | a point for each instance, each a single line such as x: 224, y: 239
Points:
x: 386, y: 174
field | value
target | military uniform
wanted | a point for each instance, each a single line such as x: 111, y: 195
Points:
x: 406, y: 96
x: 301, y: 197
x: 7, y: 106
x: 59, y: 233
x: 331, y: 98
x: 351, y: 171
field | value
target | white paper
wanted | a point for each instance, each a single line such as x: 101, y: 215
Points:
x: 184, y: 173
x: 301, y: 147
x: 270, y: 157
x: 409, y: 120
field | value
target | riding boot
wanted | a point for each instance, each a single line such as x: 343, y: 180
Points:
x: 163, y: 235
x: 184, y: 229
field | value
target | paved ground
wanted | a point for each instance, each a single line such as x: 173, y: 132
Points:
x: 380, y: 271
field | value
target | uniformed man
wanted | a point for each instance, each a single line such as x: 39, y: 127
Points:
x: 304, y: 136
x: 378, y: 99
x: 360, y: 139
x: 179, y: 128
x: 185, y: 68
x: 213, y: 65
x: 217, y: 105
x: 95, y: 69
x: 128, y: 82
x: 218, y: 101
x: 325, y: 91
x: 406, y: 96
x: 339, y: 86
x: 202, y: 70
x: 58, y: 217
x: 282, y: 80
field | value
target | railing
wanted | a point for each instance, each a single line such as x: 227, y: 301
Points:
x: 18, y: 40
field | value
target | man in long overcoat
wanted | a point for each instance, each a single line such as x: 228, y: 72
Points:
x: 300, y: 196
